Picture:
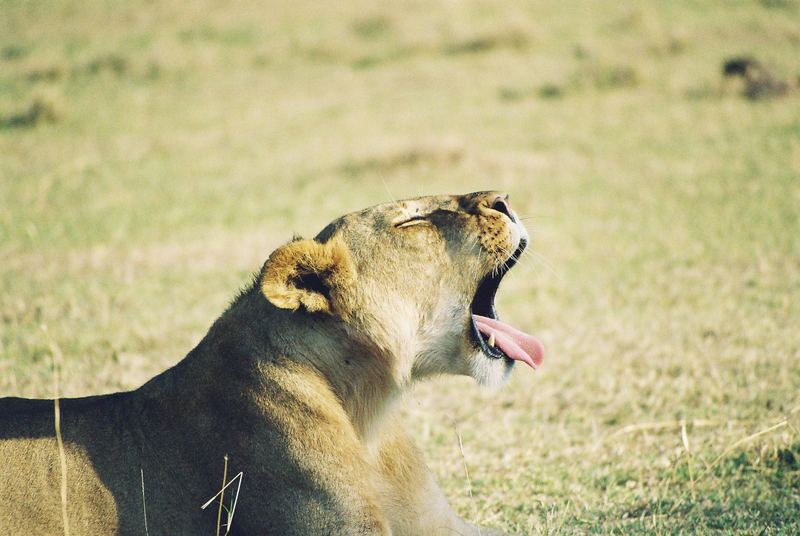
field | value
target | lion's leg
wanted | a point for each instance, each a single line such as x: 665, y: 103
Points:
x: 412, y: 501
x: 305, y: 512
x: 304, y: 468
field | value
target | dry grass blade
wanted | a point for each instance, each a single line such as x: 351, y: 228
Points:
x: 660, y: 426
x: 685, y: 441
x: 63, y: 460
x: 58, y: 358
x: 222, y: 492
x: 230, y: 513
x: 144, y: 504
x: 466, y: 472
x: 742, y: 441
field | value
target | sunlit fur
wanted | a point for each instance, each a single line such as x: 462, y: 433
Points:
x: 294, y: 383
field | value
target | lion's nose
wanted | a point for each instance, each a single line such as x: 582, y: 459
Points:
x: 501, y: 204
x: 478, y: 202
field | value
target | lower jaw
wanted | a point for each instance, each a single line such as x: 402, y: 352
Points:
x: 491, y: 372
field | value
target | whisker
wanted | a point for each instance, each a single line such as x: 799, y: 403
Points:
x: 537, y: 216
x: 386, y: 187
x: 542, y: 260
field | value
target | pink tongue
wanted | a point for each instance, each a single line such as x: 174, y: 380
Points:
x: 513, y: 342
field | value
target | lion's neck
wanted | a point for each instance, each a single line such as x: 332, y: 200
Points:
x: 368, y: 392
x: 364, y: 383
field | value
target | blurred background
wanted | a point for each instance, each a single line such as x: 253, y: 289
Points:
x: 152, y: 154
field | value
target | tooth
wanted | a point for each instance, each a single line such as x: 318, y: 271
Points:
x: 491, y: 340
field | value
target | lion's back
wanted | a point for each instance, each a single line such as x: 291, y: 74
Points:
x: 31, y: 476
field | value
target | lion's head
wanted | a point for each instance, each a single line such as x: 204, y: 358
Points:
x: 414, y: 283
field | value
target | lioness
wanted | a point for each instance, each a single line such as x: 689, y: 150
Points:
x: 294, y: 383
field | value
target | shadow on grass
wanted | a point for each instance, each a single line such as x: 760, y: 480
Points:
x: 392, y: 162
x: 40, y: 111
x: 589, y: 75
x: 508, y: 39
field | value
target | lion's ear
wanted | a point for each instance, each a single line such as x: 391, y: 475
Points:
x: 305, y: 273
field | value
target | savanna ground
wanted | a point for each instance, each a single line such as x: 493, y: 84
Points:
x: 153, y: 154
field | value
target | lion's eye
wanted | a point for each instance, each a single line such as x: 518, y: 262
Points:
x: 413, y: 220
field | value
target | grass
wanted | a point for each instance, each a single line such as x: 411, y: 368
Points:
x: 174, y: 146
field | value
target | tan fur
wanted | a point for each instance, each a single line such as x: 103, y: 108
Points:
x: 295, y: 383
x: 330, y: 262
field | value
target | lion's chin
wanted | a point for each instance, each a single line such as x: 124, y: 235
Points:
x: 490, y: 372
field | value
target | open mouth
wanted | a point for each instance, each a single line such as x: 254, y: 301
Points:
x: 495, y: 338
